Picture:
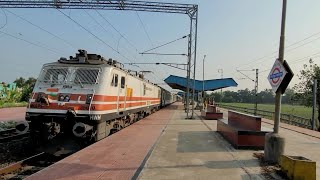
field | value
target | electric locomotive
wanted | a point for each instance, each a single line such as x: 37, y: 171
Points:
x: 88, y: 97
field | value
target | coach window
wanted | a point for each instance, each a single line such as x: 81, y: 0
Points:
x: 123, y: 81
x: 114, y: 81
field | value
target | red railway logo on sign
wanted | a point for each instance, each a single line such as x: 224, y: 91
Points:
x: 276, y: 75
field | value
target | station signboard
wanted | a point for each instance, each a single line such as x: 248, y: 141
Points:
x: 280, y: 76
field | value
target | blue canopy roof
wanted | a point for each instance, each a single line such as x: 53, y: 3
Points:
x: 177, y: 82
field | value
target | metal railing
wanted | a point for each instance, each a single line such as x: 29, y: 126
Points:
x: 284, y: 118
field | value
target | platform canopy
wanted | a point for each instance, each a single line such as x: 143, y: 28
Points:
x: 177, y: 82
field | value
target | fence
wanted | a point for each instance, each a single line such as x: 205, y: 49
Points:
x: 285, y: 118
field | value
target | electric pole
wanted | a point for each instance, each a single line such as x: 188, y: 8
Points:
x: 274, y: 143
x: 256, y: 92
x: 204, y: 57
x: 221, y: 71
x: 256, y: 85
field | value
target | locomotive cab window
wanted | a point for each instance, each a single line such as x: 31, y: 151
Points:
x: 114, y: 81
x: 86, y: 76
x: 123, y: 82
x: 54, y: 75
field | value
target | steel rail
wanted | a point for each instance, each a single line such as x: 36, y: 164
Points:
x: 16, y: 166
x: 11, y: 134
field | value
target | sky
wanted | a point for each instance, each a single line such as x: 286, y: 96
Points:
x: 234, y: 35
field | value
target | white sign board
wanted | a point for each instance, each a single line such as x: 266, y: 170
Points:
x: 276, y: 75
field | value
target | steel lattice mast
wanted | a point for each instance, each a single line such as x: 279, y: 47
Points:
x: 162, y: 7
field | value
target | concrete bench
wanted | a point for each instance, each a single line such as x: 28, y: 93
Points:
x: 243, y: 131
x: 211, y: 113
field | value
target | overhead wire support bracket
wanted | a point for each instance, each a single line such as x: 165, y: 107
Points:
x: 245, y: 74
x: 166, y: 54
x: 145, y: 52
x: 174, y: 65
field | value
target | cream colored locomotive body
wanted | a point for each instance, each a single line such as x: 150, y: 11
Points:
x: 89, y: 97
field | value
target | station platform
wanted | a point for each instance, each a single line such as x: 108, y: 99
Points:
x: 165, y: 145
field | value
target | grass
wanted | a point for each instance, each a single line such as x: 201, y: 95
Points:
x: 7, y: 105
x: 301, y: 111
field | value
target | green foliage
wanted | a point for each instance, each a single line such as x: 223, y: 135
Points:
x: 11, y: 96
x: 7, y: 105
x: 26, y: 86
x: 21, y: 94
x: 248, y: 96
x: 297, y: 110
x: 304, y: 89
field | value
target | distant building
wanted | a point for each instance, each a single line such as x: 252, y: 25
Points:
x: 5, y: 88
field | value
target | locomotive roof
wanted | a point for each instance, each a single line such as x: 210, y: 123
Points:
x: 93, y: 60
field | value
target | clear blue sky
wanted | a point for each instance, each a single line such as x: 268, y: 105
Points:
x: 231, y: 33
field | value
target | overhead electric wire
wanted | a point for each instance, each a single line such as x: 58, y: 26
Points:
x: 116, y: 30
x: 297, y: 42
x: 100, y: 38
x: 26, y: 20
x: 317, y: 54
x: 147, y: 34
x: 88, y: 31
x: 21, y: 39
x: 96, y: 21
x: 6, y: 19
x: 94, y: 36
x: 144, y: 28
x: 107, y: 31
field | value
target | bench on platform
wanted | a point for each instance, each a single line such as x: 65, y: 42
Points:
x: 243, y: 131
x: 211, y: 113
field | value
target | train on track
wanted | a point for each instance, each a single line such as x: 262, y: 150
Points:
x: 89, y: 97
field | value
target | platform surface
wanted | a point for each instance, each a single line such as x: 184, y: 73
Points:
x: 192, y: 149
x: 118, y: 156
x: 165, y: 145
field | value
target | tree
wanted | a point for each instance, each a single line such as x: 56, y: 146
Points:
x: 288, y: 97
x: 266, y: 96
x: 229, y: 97
x: 305, y: 87
x: 217, y: 96
x: 20, y: 82
x: 246, y: 96
x: 26, y: 86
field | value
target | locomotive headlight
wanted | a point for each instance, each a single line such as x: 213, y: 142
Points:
x: 64, y: 97
x: 61, y: 97
x: 89, y: 98
x: 67, y: 98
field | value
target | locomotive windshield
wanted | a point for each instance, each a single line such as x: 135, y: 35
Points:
x: 69, y: 75
x: 55, y: 75
x: 86, y: 76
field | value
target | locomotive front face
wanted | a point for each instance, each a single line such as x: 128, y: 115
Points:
x: 88, y: 97
x: 62, y: 97
x: 64, y: 90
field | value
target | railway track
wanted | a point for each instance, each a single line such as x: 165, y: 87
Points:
x: 28, y: 166
x: 11, y: 134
